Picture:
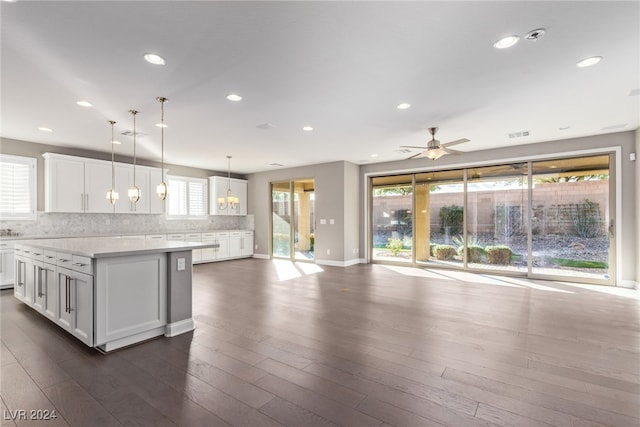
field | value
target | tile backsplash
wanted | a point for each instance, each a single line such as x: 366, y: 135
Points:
x: 85, y: 224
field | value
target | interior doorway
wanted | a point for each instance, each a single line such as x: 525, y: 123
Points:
x: 293, y: 219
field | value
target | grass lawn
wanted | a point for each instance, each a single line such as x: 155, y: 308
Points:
x: 578, y: 263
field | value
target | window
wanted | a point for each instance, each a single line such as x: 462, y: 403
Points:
x: 187, y: 196
x: 17, y: 187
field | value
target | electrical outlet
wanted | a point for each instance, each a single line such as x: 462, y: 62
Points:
x: 256, y: 246
x: 181, y: 264
x: 332, y: 221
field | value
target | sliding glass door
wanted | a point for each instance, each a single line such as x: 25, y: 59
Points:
x: 550, y: 219
x: 497, y: 205
x: 571, y: 218
x: 392, y: 218
x: 293, y: 219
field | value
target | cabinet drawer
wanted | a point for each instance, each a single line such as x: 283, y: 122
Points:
x: 156, y: 237
x: 64, y: 260
x: 193, y: 237
x: 223, y: 235
x: 37, y: 254
x: 235, y: 233
x: 175, y: 236
x: 208, y: 236
x: 81, y: 264
x: 50, y: 256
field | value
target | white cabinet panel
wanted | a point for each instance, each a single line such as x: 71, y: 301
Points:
x: 50, y: 289
x: 124, y: 180
x: 97, y: 181
x: 64, y: 184
x: 156, y: 206
x: 82, y: 307
x: 7, y: 266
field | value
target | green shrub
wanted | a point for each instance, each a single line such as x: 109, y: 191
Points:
x: 586, y: 219
x: 453, y: 217
x: 394, y: 245
x: 474, y: 253
x: 444, y: 252
x: 432, y: 248
x: 499, y: 254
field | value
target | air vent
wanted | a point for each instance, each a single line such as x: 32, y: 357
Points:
x: 518, y: 134
x: 634, y: 92
x: 275, y: 164
x: 130, y: 133
x: 266, y: 126
x: 402, y: 151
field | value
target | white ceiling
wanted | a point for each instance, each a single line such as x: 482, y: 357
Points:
x: 341, y: 67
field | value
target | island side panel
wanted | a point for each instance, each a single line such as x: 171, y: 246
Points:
x: 179, y: 295
x: 131, y: 299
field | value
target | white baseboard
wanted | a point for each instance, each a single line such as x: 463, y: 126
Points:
x: 180, y: 327
x: 340, y: 263
x: 261, y: 256
x: 630, y: 284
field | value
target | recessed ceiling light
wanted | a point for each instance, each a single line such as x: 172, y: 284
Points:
x: 45, y: 129
x: 234, y: 97
x: 588, y: 62
x: 114, y: 142
x: 506, y: 42
x: 84, y: 104
x: 403, y: 106
x: 307, y: 128
x: 374, y: 155
x: 154, y: 59
x: 162, y: 125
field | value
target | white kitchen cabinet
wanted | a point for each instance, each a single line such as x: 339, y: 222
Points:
x: 7, y: 265
x: 159, y: 237
x: 75, y: 303
x: 97, y: 181
x: 218, y: 188
x: 19, y: 289
x: 39, y: 302
x: 156, y: 206
x: 240, y: 244
x: 196, y: 254
x: 75, y: 184
x: 49, y: 288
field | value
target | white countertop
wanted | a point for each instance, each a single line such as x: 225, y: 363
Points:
x: 103, y: 247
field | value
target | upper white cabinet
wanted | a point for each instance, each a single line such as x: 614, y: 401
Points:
x: 218, y: 188
x: 76, y: 184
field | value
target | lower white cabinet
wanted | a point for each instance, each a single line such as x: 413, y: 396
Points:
x: 240, y: 244
x: 49, y: 287
x: 215, y: 254
x: 75, y: 303
x: 196, y: 254
x: 7, y: 265
x: 19, y: 289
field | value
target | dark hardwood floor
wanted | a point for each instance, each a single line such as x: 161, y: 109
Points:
x: 368, y: 345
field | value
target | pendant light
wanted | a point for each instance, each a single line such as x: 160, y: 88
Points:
x: 134, y: 191
x: 112, y: 194
x: 161, y: 189
x: 230, y: 201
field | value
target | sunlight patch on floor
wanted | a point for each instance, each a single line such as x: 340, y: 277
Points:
x: 532, y: 285
x: 288, y: 270
x: 415, y: 272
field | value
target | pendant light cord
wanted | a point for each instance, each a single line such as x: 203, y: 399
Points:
x: 113, y: 179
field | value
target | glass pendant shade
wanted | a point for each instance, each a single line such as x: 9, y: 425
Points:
x: 161, y: 190
x: 134, y: 194
x: 112, y: 196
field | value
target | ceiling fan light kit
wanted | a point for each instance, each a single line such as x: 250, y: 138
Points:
x: 434, y: 149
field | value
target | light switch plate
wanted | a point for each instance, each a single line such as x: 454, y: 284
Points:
x: 181, y: 264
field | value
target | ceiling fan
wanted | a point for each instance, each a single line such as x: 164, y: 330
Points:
x: 434, y: 149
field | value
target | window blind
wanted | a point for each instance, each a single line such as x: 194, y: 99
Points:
x: 187, y: 196
x: 17, y: 187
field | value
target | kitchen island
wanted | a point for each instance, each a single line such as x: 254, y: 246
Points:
x: 109, y: 292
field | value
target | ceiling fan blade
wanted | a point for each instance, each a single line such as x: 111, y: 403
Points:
x: 413, y: 146
x: 414, y: 156
x: 456, y: 142
x: 450, y: 151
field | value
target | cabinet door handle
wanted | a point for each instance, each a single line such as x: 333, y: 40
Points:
x: 44, y: 278
x: 81, y: 201
x: 1, y: 263
x: 39, y: 274
x: 79, y: 264
x: 66, y: 294
x: 19, y: 273
x: 86, y: 203
x: 63, y: 260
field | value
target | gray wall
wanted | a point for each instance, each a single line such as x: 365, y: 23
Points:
x: 329, y: 193
x: 637, y: 213
x: 31, y: 149
x: 352, y: 223
x: 626, y: 140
